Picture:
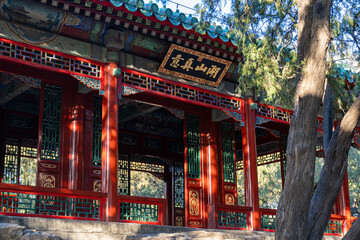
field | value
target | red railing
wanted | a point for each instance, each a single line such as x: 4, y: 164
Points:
x: 232, y: 217
x: 334, y: 227
x: 29, y: 201
x: 268, y: 217
x: 142, y: 210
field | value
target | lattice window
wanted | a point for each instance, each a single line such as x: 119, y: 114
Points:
x: 44, y: 58
x: 232, y: 219
x: 175, y: 147
x: 274, y: 113
x: 179, y: 185
x: 268, y: 158
x: 97, y: 130
x: 20, y: 121
x: 20, y: 163
x: 50, y: 144
x: 11, y: 161
x: 334, y: 227
x: 228, y: 151
x: 147, y: 167
x: 268, y: 221
x: 49, y: 205
x: 28, y: 165
x: 193, y: 146
x: 123, y: 175
x: 127, y: 139
x: 139, y: 212
x: 180, y: 91
x: 152, y: 143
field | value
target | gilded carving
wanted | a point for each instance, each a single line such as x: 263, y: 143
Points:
x: 97, y: 186
x: 194, y: 203
x: 48, y: 165
x: 179, y: 221
x: 229, y: 199
x: 48, y: 181
x: 195, y: 223
x: 97, y: 172
x: 229, y: 187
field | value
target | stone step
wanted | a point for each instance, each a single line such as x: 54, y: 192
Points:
x: 95, y: 230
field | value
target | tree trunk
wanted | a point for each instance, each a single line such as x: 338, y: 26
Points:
x: 328, y: 121
x: 332, y: 173
x: 354, y: 231
x: 313, y: 42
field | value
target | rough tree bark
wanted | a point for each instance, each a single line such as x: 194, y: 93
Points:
x: 354, y: 231
x: 313, y: 42
x: 332, y: 173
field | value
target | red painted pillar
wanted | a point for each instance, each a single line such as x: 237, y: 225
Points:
x: 109, y: 154
x: 211, y: 168
x: 250, y: 167
x: 344, y: 203
x: 76, y: 125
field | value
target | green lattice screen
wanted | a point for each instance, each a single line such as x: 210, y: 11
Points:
x: 193, y: 146
x: 51, y: 122
x: 228, y: 150
x: 334, y: 227
x: 268, y: 221
x: 123, y: 174
x: 139, y: 212
x: 48, y: 205
x: 231, y: 219
x: 97, y: 129
x: 11, y: 161
x: 179, y: 185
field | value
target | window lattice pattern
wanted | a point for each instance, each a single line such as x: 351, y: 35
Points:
x: 179, y: 185
x: 334, y: 227
x: 268, y: 221
x: 147, y: 167
x: 28, y: 166
x: 123, y: 175
x: 193, y: 145
x: 48, y: 205
x: 182, y: 92
x: 152, y: 143
x: 268, y: 158
x: 228, y: 150
x: 20, y: 121
x: 274, y: 113
x: 127, y: 139
x: 239, y: 165
x: 139, y: 212
x: 51, y: 122
x: 97, y: 130
x: 231, y: 219
x: 11, y: 161
x: 44, y: 58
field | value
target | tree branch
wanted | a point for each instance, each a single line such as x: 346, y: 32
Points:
x: 332, y: 174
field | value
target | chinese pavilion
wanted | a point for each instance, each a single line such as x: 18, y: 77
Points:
x: 123, y: 111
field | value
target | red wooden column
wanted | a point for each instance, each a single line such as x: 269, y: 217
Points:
x: 210, y: 167
x: 76, y: 125
x: 344, y: 204
x: 250, y: 167
x: 109, y: 154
